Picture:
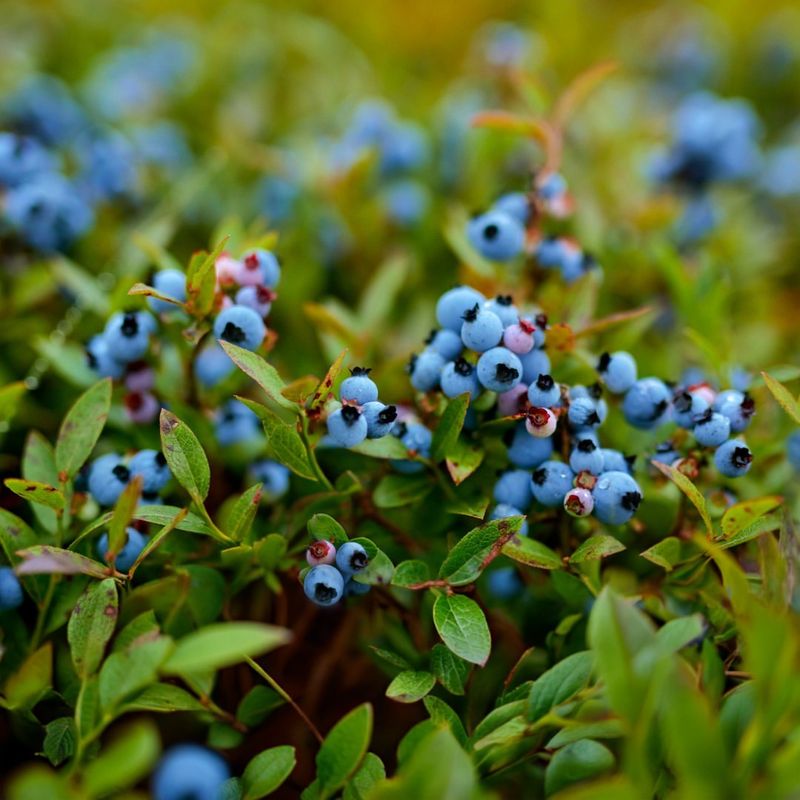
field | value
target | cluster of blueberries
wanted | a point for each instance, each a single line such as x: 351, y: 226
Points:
x: 361, y: 415
x: 332, y: 572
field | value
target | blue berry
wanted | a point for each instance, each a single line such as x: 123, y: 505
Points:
x: 347, y: 426
x: 550, y: 252
x: 22, y: 158
x: 404, y: 147
x: 552, y: 187
x: 503, y: 511
x: 170, y: 283
x: 359, y: 387
x: 212, y: 365
x: 380, y: 419
x: 793, y: 449
x: 513, y: 488
x: 550, y: 482
x: 273, y: 476
x: 241, y: 326
x: 686, y: 406
x: 127, y: 335
x: 665, y: 454
x: 733, y: 458
x: 503, y: 306
x: 152, y: 466
x: 235, y: 423
x: 646, y: 403
x: 499, y: 369
x: 108, y: 476
x: 100, y: 359
x: 505, y: 583
x: 586, y: 457
x: 134, y: 543
x: 711, y: 429
x: 617, y: 371
x: 528, y: 452
x: 459, y: 377
x: 351, y: 558
x: 534, y: 364
x: 614, y: 461
x: 324, y: 585
x: 496, y: 235
x: 417, y: 438
x: 425, y: 370
x: 544, y: 392
x: 738, y: 410
x: 583, y: 413
x: 516, y: 205
x: 259, y: 298
x: 189, y: 771
x: 10, y: 589
x: 268, y: 264
x: 616, y: 497
x: 481, y: 329
x: 406, y: 202
x: 446, y: 343
x: 453, y: 304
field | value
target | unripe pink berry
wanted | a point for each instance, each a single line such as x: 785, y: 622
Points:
x: 578, y: 502
x: 249, y: 272
x: 141, y: 407
x: 541, y: 422
x: 227, y: 269
x: 321, y: 552
x: 518, y: 338
x: 139, y: 378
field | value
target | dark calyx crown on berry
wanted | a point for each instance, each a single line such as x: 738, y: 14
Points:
x: 463, y: 367
x: 741, y: 457
x: 358, y: 560
x: 748, y: 406
x: 658, y: 409
x: 603, y: 362
x: 504, y: 300
x: 121, y: 473
x: 233, y: 334
x: 130, y: 325
x: 596, y: 391
x: 541, y: 321
x: 702, y: 419
x: 630, y: 461
x: 506, y: 374
x: 491, y: 231
x: 387, y: 414
x: 412, y: 362
x: 161, y: 461
x: 356, y: 371
x: 586, y: 446
x: 400, y: 430
x: 540, y: 476
x: 545, y: 382
x: 350, y: 414
x: 471, y: 314
x: 431, y: 336
x: 630, y: 500
x: 324, y: 593
x: 682, y: 401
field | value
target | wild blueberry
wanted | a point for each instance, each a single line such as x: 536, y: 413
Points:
x: 646, y: 403
x: 404, y: 147
x: 241, y: 326
x: 516, y: 205
x: 550, y: 252
x: 496, y: 235
x: 459, y: 377
x: 550, y: 482
x: 616, y: 497
x: 665, y: 454
x: 152, y: 466
x: 526, y: 451
x: 586, y: 457
x: 10, y: 589
x: 446, y: 343
x: 578, y: 502
x: 324, y: 585
x: 351, y: 557
x: 359, y: 387
x: 481, y: 329
x: 212, y: 365
x: 257, y: 297
x: 267, y: 265
x: 127, y: 335
x: 540, y: 422
x: 273, y: 476
x: 582, y: 413
x: 499, y: 370
x: 793, y: 449
x: 453, y: 304
x: 189, y: 771
x: 425, y: 370
x: 406, y: 202
x: 518, y: 338
x: 534, y: 364
x: 22, y: 158
x: 321, y: 552
x: 686, y: 406
x: 170, y: 283
x: 733, y: 458
x: 99, y: 358
x: 347, y: 426
x: 544, y: 392
x: 380, y: 419
x: 502, y: 305
x: 711, y: 429
x: 504, y: 583
x: 738, y: 412
x: 513, y: 488
x: 503, y: 511
x: 617, y: 371
x: 614, y: 461
x: 108, y: 476
x: 513, y: 401
x: 134, y: 543
x: 551, y: 186
x: 235, y: 422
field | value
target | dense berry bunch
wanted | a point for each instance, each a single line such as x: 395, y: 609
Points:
x: 361, y: 415
x: 333, y: 571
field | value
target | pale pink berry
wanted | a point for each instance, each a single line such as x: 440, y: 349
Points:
x: 541, y: 422
x: 225, y: 302
x: 249, y: 273
x: 703, y: 390
x: 141, y: 407
x: 140, y: 377
x: 227, y: 269
x: 518, y: 338
x: 321, y: 552
x: 513, y: 401
x: 578, y: 502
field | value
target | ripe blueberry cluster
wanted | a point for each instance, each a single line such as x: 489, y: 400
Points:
x: 333, y: 570
x: 108, y: 475
x: 361, y: 415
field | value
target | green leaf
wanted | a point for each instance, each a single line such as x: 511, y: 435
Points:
x: 769, y: 522
x: 59, y: 740
x: 244, y: 512
x: 185, y: 456
x: 742, y: 514
x: 442, y: 715
x: 667, y: 553
x: 10, y: 395
x: 559, y: 684
x: 222, y: 645
x: 449, y: 427
x: 257, y: 704
x: 595, y: 548
x: 154, y: 541
x: 408, y: 573
x: 162, y: 698
x: 343, y: 749
x: 35, y: 492
x: 368, y: 775
x: 396, y: 491
x: 67, y: 360
x: 677, y: 633
x: 267, y: 771
x: 380, y: 296
x: 604, y: 729
x: 121, y: 517
x: 466, y: 561
x: 15, y: 535
x: 38, y: 781
x: 201, y: 279
x: 450, y: 670
x: 86, y: 288
x: 532, y: 553
x: 379, y: 571
x: 33, y: 678
x: 409, y: 686
x: 43, y: 559
x: 386, y: 447
x: 784, y: 397
x: 690, y: 490
x: 146, y: 623
x: 129, y: 671
x: 82, y: 427
x: 39, y: 464
x: 324, y: 387
x: 91, y: 625
x: 462, y: 626
x: 579, y: 761
x: 325, y: 527
x: 462, y: 461
x: 285, y: 445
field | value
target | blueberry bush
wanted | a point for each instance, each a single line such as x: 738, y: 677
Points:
x: 399, y: 401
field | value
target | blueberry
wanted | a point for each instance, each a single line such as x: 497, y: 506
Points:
x: 134, y: 543
x: 321, y: 552
x: 686, y: 406
x: 212, y: 365
x: 544, y: 392
x: 550, y: 482
x: 586, y: 457
x: 417, y: 438
x: 503, y: 511
x: 347, y: 426
x: 711, y: 429
x: 505, y: 583
x: 259, y: 298
x: 733, y: 458
x: 189, y: 772
x: 516, y: 205
x: 793, y: 449
x: 514, y: 401
x: 499, y: 369
x: 351, y: 558
x: 380, y: 419
x: 552, y: 187
x: 406, y: 202
x: 550, y: 252
x: 100, y: 359
x: 241, y: 326
x: 739, y: 412
x: 528, y: 452
x: 152, y: 466
x: 267, y: 264
x: 616, y: 497
x: 108, y: 476
x: 235, y: 422
x: 614, y: 461
x: 273, y: 476
x: 359, y: 387
x: 446, y: 343
x: 452, y: 305
x: 425, y: 370
x: 404, y: 147
x: 513, y: 488
x: 481, y: 329
x: 503, y: 306
x: 665, y: 454
x: 583, y: 413
x: 534, y: 364
x: 578, y: 502
x: 617, y: 371
x: 496, y: 235
x: 459, y: 377
x: 22, y: 158
x: 10, y: 589
x: 127, y: 335
x: 646, y: 403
